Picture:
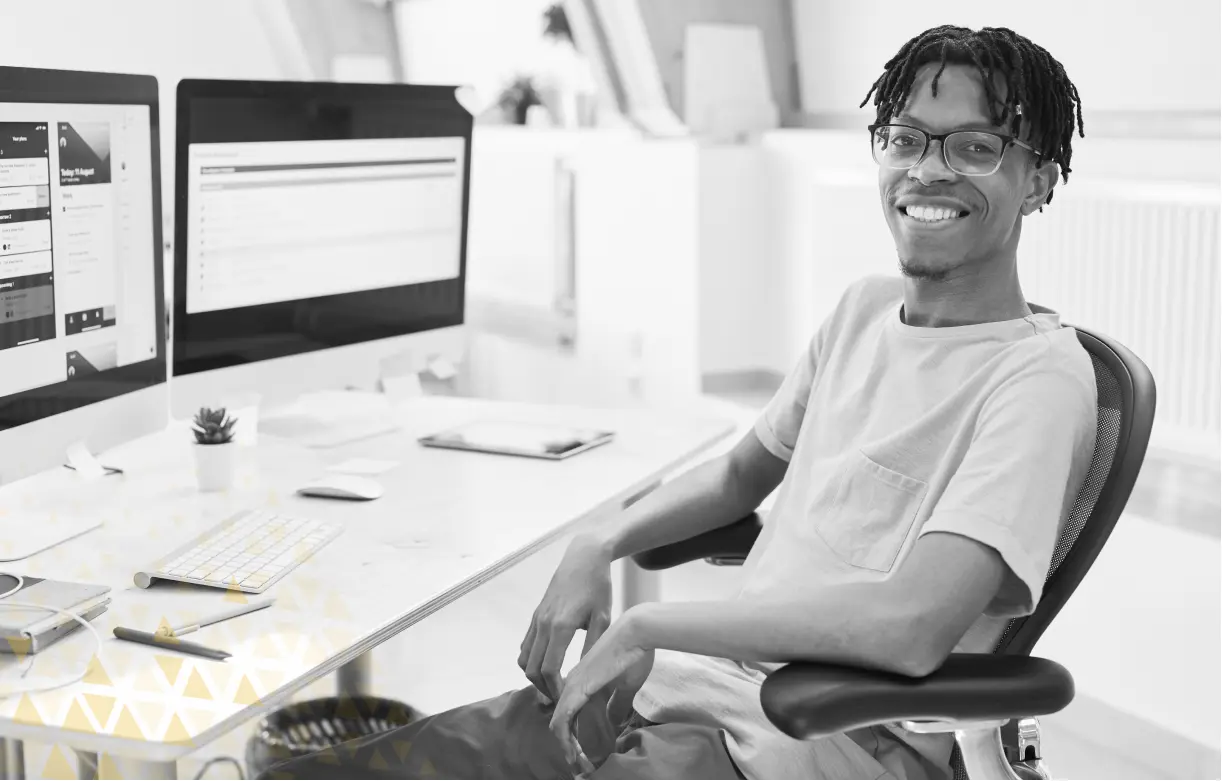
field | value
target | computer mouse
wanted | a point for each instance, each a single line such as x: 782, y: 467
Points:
x: 342, y: 487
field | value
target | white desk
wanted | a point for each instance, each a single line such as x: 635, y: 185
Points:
x: 448, y: 522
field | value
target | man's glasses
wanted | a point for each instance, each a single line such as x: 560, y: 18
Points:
x: 966, y: 152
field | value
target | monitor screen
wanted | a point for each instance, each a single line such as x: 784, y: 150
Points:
x: 315, y: 215
x: 81, y: 301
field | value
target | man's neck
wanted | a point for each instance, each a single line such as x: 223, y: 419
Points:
x: 965, y: 298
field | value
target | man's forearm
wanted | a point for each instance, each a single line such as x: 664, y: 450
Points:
x: 705, y: 498
x: 859, y: 624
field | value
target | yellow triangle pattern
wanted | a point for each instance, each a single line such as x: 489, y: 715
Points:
x: 328, y: 757
x: 166, y: 629
x: 97, y: 674
x: 19, y: 647
x: 76, y: 719
x: 177, y: 731
x: 235, y: 594
x: 402, y: 749
x: 127, y: 726
x: 427, y: 768
x: 107, y: 768
x: 58, y: 766
x: 171, y: 666
x: 101, y: 707
x: 377, y: 762
x: 196, y: 687
x: 245, y: 694
x: 26, y: 712
x: 151, y: 715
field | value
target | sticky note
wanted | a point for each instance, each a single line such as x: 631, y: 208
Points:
x: 80, y: 459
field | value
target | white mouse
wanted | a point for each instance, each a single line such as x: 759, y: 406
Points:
x: 337, y: 486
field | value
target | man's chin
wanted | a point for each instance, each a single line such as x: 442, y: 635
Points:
x: 924, y: 271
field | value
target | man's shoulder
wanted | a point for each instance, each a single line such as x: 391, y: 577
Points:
x: 1055, y: 356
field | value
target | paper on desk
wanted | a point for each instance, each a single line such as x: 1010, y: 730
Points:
x: 442, y: 368
x: 363, y: 466
x: 80, y: 459
x: 402, y: 388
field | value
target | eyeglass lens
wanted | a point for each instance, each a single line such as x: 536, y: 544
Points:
x: 970, y: 153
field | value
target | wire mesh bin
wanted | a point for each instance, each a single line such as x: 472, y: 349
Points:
x: 313, y: 725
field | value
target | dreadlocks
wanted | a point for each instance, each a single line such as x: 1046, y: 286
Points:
x: 1038, y: 87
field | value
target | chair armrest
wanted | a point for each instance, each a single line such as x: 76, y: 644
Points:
x: 808, y: 701
x: 728, y: 542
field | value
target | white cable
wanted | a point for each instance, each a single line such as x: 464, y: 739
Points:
x: 44, y: 684
x: 14, y: 589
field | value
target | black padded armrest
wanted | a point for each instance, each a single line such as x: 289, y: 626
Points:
x: 728, y: 542
x: 808, y: 701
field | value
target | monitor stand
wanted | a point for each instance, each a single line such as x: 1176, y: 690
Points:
x: 331, y: 418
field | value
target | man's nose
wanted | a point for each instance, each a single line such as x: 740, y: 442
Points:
x: 932, y: 167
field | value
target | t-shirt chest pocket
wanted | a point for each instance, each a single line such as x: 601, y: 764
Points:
x: 866, y: 517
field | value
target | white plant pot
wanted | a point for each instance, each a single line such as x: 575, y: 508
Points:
x: 216, y: 466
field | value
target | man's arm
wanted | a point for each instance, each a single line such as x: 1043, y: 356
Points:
x: 907, y: 624
x: 714, y: 494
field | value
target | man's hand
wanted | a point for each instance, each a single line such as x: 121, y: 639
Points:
x: 617, y: 661
x: 579, y: 597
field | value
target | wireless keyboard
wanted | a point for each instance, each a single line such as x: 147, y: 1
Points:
x: 249, y: 552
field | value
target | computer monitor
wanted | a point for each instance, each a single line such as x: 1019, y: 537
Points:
x: 320, y: 229
x: 82, y: 297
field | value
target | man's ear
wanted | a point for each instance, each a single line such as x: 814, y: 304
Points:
x: 1041, y: 180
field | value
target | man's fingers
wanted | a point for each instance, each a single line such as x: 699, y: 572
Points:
x: 528, y: 643
x: 562, y: 727
x: 557, y: 646
x: 598, y: 625
x: 534, y: 664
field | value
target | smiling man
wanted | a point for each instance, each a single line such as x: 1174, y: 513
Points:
x: 927, y: 447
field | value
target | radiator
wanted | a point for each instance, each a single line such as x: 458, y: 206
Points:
x: 1139, y: 262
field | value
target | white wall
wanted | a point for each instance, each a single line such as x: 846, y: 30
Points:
x: 1123, y: 55
x: 483, y: 44
x: 171, y: 40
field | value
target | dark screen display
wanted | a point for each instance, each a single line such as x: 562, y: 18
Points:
x: 211, y: 112
x: 27, y: 311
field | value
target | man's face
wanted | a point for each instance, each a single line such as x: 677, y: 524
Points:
x: 991, y: 226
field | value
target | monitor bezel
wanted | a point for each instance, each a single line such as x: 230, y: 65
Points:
x: 191, y: 89
x: 37, y: 85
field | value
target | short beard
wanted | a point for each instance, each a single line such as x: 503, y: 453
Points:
x: 923, y: 273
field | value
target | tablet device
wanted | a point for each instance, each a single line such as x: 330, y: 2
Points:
x: 519, y: 439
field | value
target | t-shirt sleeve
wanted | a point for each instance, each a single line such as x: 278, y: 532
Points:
x: 778, y: 426
x: 1018, y: 480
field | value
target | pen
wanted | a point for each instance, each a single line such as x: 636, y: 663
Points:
x: 240, y: 610
x: 170, y: 643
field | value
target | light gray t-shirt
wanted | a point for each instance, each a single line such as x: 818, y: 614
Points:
x: 893, y: 432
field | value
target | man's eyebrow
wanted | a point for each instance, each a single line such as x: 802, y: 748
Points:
x: 904, y: 119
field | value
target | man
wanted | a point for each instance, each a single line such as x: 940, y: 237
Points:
x: 927, y: 446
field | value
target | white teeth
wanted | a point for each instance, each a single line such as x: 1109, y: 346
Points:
x: 930, y: 213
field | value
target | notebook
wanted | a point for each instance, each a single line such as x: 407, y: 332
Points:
x: 28, y: 631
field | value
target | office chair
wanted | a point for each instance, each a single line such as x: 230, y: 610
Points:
x: 988, y: 701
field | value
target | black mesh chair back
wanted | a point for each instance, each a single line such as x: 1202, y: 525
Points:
x: 1126, y: 396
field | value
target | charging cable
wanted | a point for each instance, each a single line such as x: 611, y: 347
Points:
x: 10, y: 687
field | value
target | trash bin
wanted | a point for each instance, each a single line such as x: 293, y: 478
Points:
x: 313, y: 725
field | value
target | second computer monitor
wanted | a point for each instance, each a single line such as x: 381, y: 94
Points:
x: 319, y: 228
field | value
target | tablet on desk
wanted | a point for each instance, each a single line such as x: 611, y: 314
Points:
x: 520, y: 439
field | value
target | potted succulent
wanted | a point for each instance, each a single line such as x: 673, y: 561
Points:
x: 215, y: 450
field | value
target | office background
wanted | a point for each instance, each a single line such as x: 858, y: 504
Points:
x: 659, y: 229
